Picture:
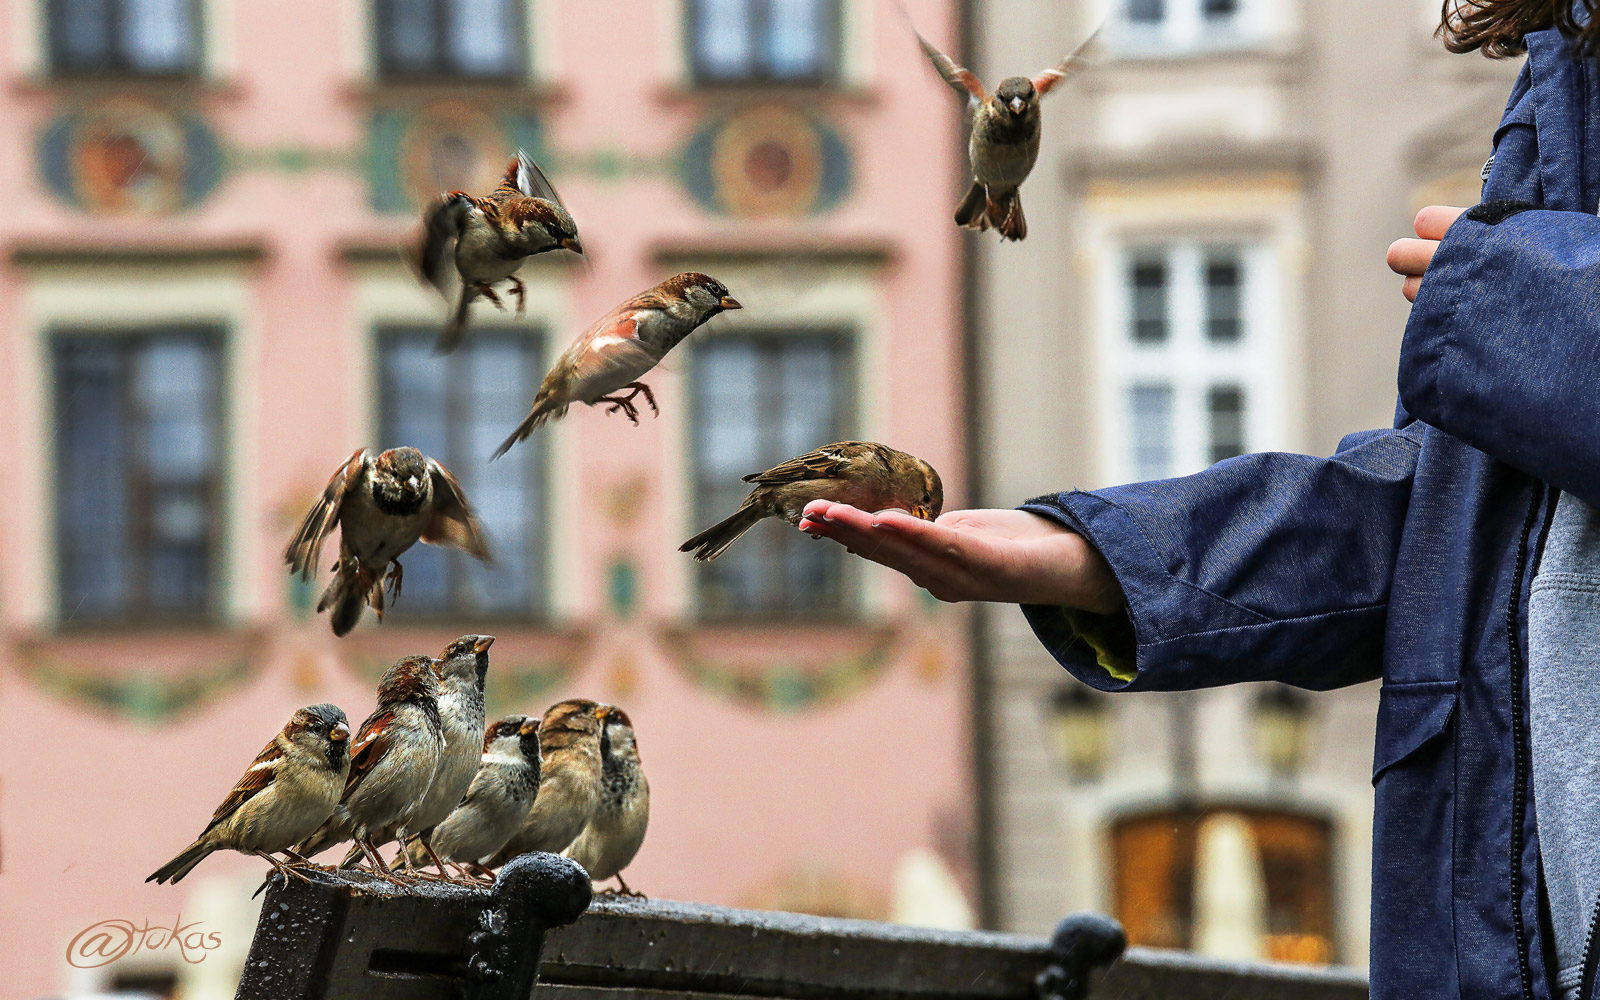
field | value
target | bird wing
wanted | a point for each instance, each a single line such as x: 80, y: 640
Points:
x: 305, y: 550
x: 453, y: 523
x: 1066, y: 68
x: 960, y: 79
x: 827, y: 462
x: 523, y: 177
x: 370, y: 746
x: 257, y: 776
x: 441, y: 227
x: 611, y: 354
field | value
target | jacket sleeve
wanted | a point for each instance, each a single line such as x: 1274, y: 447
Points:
x: 1263, y: 567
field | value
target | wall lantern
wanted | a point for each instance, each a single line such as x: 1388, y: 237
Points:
x: 1080, y: 731
x: 1282, y: 728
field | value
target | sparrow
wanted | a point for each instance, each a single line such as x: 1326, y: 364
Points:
x: 522, y: 217
x: 462, y: 668
x: 495, y: 805
x: 569, y: 782
x: 624, y: 344
x: 860, y: 473
x: 383, y: 505
x: 1005, y: 137
x: 616, y: 830
x: 288, y: 791
x: 392, y: 764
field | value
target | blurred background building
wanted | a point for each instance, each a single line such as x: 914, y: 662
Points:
x: 1205, y: 277
x: 204, y: 310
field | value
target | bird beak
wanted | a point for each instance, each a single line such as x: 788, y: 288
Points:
x: 413, y: 482
x: 922, y: 512
x: 339, y: 732
x: 483, y: 643
x: 1017, y: 104
x: 531, y: 726
x: 601, y: 711
x: 573, y: 245
x: 729, y: 302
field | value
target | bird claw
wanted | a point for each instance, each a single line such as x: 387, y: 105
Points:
x: 489, y: 293
x: 521, y: 292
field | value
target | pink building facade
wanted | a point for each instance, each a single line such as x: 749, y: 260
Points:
x: 204, y: 311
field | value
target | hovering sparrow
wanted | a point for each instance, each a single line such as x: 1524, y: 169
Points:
x: 522, y: 217
x: 392, y: 764
x: 860, y: 473
x: 497, y: 802
x: 290, y: 788
x: 1005, y: 137
x: 569, y: 781
x: 462, y: 668
x: 624, y: 344
x: 616, y: 830
x: 383, y: 505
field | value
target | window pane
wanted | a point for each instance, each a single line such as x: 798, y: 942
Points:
x: 482, y: 37
x: 1225, y: 406
x: 1146, y: 11
x: 408, y: 37
x: 457, y: 410
x: 1148, y: 280
x: 81, y: 34
x: 158, y: 35
x: 1150, y: 423
x: 1219, y: 10
x: 721, y: 38
x: 759, y: 400
x: 92, y: 493
x: 797, y: 37
x: 1224, y: 283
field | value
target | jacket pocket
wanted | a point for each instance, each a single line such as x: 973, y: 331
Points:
x: 1410, y: 716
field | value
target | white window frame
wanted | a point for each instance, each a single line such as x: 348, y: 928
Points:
x: 1187, y: 360
x: 1183, y: 28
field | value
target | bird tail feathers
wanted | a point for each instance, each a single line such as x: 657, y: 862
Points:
x: 970, y: 213
x: 184, y: 863
x: 715, y: 540
x: 348, y: 592
x: 1006, y: 216
x: 544, y: 410
x: 456, y: 327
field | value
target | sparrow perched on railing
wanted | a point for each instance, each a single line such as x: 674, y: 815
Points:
x: 569, y: 781
x: 492, y: 236
x: 1005, y: 137
x: 383, y: 504
x: 392, y: 764
x: 624, y: 344
x: 462, y: 669
x: 288, y: 791
x: 616, y: 830
x: 495, y: 805
x: 862, y: 474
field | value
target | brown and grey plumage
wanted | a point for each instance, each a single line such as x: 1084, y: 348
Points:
x: 462, y: 668
x: 863, y: 474
x: 492, y: 236
x: 616, y: 831
x: 505, y: 787
x: 383, y: 505
x: 621, y: 347
x: 288, y: 791
x: 1004, y: 143
x: 569, y: 781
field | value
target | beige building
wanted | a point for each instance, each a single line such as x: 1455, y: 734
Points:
x: 1204, y: 277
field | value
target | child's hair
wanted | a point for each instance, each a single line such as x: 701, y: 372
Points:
x: 1497, y: 26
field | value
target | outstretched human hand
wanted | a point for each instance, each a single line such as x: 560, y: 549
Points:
x: 1006, y: 556
x: 1410, y: 258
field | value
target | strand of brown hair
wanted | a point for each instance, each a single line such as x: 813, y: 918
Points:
x: 1498, y: 26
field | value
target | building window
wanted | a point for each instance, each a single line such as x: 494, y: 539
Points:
x: 763, y: 41
x: 1178, y: 25
x: 1242, y: 882
x: 1187, y: 358
x: 139, y: 439
x: 124, y: 37
x: 761, y: 398
x: 457, y: 409
x: 450, y: 39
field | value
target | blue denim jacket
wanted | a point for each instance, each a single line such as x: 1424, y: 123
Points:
x: 1407, y: 555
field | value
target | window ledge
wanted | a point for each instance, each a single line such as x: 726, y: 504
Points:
x: 378, y: 90
x: 128, y: 85
x: 686, y: 92
x: 48, y: 252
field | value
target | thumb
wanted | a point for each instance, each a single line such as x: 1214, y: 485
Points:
x: 1435, y: 220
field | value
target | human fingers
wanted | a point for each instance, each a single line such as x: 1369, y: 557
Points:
x: 1435, y: 220
x: 1411, y: 257
x: 1410, y: 287
x: 949, y: 564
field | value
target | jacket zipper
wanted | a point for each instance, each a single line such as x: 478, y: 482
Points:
x: 1591, y: 955
x: 1519, y: 756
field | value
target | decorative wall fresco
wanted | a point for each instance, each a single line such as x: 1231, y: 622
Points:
x: 127, y: 155
x: 413, y: 153
x: 766, y: 161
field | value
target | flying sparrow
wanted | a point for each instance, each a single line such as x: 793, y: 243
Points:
x: 392, y: 764
x: 569, y: 782
x: 462, y: 668
x: 860, y: 473
x: 624, y: 344
x: 288, y: 791
x: 497, y: 802
x: 616, y: 830
x: 522, y: 217
x: 383, y: 505
x: 1005, y: 137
